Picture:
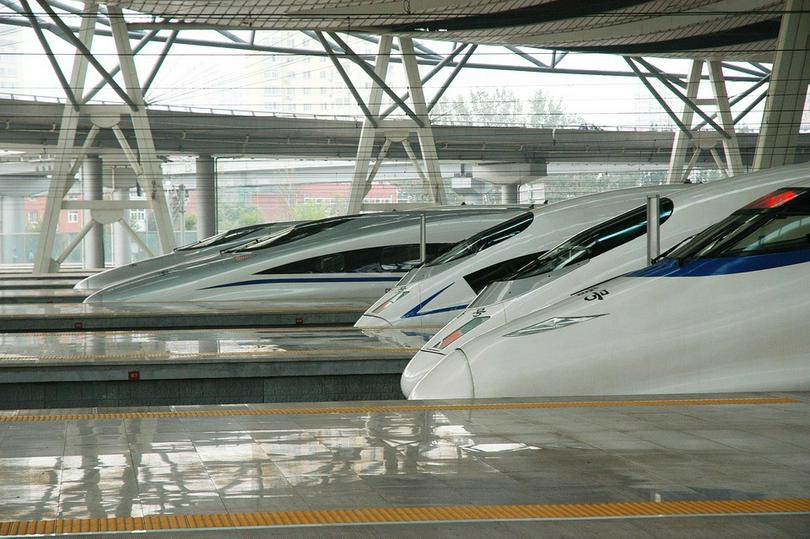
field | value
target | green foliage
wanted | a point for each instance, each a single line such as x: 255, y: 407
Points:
x: 234, y: 215
x: 547, y: 112
x: 503, y: 107
x: 309, y: 211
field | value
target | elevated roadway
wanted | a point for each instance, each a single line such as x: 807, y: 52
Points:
x: 34, y: 126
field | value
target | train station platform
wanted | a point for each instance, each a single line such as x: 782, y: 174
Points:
x: 211, y: 366
x: 731, y: 465
x: 46, y: 316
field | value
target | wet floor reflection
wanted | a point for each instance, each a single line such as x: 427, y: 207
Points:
x: 137, y: 467
x: 184, y: 344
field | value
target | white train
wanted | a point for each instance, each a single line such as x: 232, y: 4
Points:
x: 189, y: 253
x: 356, y: 258
x: 431, y: 295
x: 605, y: 251
x: 726, y: 312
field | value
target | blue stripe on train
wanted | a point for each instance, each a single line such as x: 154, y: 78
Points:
x: 723, y: 266
x: 298, y: 280
x: 417, y: 311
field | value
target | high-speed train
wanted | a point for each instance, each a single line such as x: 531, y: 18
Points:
x: 726, y: 312
x: 602, y: 252
x: 431, y: 295
x: 354, y: 258
x: 188, y: 253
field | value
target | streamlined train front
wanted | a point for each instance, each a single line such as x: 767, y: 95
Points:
x: 432, y: 295
x: 726, y: 312
x: 208, y: 247
x: 350, y: 260
x: 595, y: 255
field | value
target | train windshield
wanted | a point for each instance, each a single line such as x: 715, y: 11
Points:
x: 775, y: 223
x: 485, y: 239
x: 223, y: 237
x: 594, y: 241
x: 293, y: 233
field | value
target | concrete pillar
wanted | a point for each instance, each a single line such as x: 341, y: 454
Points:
x: 93, y: 189
x: 12, y: 245
x: 510, y: 193
x: 779, y: 133
x: 122, y: 252
x: 206, y: 197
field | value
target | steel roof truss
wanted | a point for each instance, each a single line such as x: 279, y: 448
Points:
x: 87, y: 53
x: 49, y: 53
x: 370, y: 72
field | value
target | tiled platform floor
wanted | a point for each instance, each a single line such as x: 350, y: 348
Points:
x: 268, y: 458
x: 58, y: 310
x: 169, y: 346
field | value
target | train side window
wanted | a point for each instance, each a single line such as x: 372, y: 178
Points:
x: 388, y: 258
x: 480, y: 279
x: 485, y: 239
x: 595, y: 241
x: 781, y: 233
x: 758, y: 228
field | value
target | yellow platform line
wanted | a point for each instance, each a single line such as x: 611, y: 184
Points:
x: 411, y: 514
x: 396, y: 408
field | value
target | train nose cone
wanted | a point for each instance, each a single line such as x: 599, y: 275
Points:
x: 417, y: 368
x: 95, y: 297
x: 372, y: 322
x: 84, y: 284
x: 451, y: 378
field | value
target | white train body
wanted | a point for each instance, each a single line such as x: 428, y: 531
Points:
x: 727, y: 312
x: 430, y: 296
x: 502, y: 302
x: 190, y: 253
x: 352, y: 258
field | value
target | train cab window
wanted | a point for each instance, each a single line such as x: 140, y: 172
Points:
x: 386, y: 259
x: 478, y: 280
x: 594, y: 241
x: 221, y: 238
x: 754, y: 230
x: 294, y: 233
x: 485, y: 239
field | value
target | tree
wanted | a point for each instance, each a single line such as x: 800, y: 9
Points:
x: 547, y: 112
x: 503, y: 107
x: 481, y: 107
x: 309, y: 211
x: 233, y: 215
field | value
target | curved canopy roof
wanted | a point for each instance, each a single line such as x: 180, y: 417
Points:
x: 743, y: 29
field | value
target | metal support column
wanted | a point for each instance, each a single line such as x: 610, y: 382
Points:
x: 63, y: 176
x: 365, y: 147
x: 93, y: 189
x: 787, y: 92
x: 12, y: 230
x: 510, y: 193
x: 70, y: 153
x: 424, y: 132
x: 681, y: 143
x: 731, y: 148
x: 150, y: 174
x: 206, y: 196
x: 122, y: 249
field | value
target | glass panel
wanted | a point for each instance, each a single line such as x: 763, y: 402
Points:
x: 485, y: 239
x: 223, y: 237
x: 294, y: 233
x: 594, y: 241
x: 750, y: 232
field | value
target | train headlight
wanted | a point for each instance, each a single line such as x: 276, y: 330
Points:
x: 393, y: 299
x: 551, y: 324
x: 456, y: 335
